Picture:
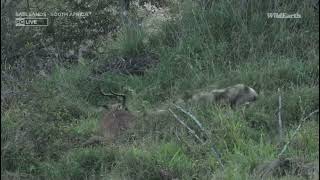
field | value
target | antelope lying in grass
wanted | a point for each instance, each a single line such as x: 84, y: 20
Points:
x: 114, y: 122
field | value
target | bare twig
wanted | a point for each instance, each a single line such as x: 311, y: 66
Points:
x: 214, y: 149
x: 217, y: 154
x: 296, y: 131
x: 191, y: 116
x: 279, y: 117
x: 186, y: 126
x: 301, y: 107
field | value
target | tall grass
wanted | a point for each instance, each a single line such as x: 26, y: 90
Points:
x: 220, y: 46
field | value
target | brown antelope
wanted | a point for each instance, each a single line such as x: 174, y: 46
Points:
x: 116, y: 120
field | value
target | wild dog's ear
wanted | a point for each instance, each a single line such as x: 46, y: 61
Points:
x: 254, y: 94
x: 246, y: 89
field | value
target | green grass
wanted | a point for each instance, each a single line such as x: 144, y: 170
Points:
x: 41, y: 136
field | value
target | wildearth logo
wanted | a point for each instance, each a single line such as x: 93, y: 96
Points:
x: 283, y: 15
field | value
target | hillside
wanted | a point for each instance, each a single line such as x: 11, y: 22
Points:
x: 51, y: 79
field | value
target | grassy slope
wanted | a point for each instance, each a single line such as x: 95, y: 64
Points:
x: 41, y: 136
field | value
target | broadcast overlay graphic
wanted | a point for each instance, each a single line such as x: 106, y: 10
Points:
x: 31, y: 21
x: 41, y: 18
